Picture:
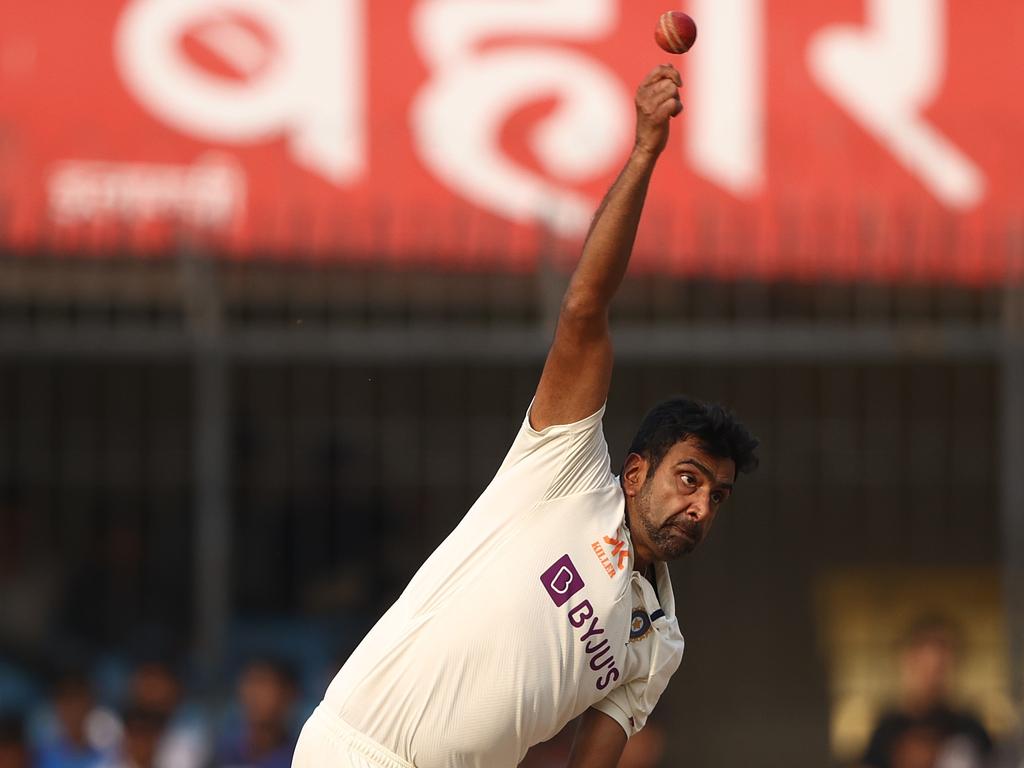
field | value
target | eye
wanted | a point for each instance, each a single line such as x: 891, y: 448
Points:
x: 717, y: 497
x: 688, y: 480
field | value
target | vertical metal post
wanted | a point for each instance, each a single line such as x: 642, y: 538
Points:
x: 1012, y: 426
x: 205, y: 316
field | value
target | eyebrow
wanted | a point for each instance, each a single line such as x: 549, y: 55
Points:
x: 705, y: 471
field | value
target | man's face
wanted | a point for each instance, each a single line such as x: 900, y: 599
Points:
x: 927, y: 667
x: 155, y: 687
x: 673, y: 508
x: 265, y: 697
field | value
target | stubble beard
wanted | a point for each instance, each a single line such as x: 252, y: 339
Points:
x: 666, y: 542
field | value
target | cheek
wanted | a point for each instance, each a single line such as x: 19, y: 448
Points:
x: 667, y: 503
x: 650, y: 499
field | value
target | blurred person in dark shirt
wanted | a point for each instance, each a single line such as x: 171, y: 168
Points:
x: 13, y: 747
x: 265, y: 739
x: 925, y: 729
x: 71, y: 744
x: 156, y: 688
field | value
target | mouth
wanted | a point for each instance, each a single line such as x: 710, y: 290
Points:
x: 678, y: 530
x: 682, y: 530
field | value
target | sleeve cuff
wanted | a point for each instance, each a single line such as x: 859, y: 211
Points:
x: 618, y: 714
x: 576, y: 426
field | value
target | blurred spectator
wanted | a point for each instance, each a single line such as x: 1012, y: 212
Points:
x: 267, y: 691
x: 73, y: 743
x: 29, y: 577
x: 143, y: 730
x: 156, y: 689
x: 925, y: 730
x: 13, y: 748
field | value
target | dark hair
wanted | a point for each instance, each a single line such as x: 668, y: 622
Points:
x: 933, y: 628
x: 713, y: 425
x: 70, y: 677
x: 164, y: 662
x: 281, y: 668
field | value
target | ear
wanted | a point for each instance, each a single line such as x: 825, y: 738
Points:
x: 634, y: 474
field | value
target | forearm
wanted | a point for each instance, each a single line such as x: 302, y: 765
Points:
x: 613, y: 232
x: 578, y: 370
x: 599, y: 742
x: 609, y: 243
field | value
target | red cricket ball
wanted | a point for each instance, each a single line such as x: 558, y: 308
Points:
x: 676, y: 32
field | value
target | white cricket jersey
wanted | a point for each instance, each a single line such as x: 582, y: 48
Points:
x: 525, y: 616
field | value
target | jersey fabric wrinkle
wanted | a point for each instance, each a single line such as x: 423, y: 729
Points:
x: 480, y: 658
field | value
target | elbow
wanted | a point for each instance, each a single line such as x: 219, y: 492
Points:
x: 583, y: 309
x: 583, y: 319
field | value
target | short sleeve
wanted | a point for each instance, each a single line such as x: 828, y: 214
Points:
x: 570, y: 458
x: 611, y: 706
x: 633, y: 702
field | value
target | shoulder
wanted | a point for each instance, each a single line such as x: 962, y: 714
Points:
x: 565, y: 459
x: 587, y: 425
x: 530, y: 441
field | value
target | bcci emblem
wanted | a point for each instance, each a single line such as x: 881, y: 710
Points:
x: 640, y: 626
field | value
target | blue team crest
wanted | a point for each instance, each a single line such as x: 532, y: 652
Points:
x: 639, y: 625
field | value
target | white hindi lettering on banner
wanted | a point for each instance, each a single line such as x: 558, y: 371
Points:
x: 458, y: 115
x: 301, y: 74
x: 210, y: 192
x: 886, y: 76
x: 725, y: 132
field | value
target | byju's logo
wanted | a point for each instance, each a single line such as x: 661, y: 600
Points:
x: 562, y: 580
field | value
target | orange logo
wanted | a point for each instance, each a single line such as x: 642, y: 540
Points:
x: 618, y: 548
x: 619, y: 552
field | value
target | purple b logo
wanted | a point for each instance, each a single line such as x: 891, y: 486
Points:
x: 562, y: 580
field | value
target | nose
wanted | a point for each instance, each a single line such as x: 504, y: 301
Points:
x: 700, y: 505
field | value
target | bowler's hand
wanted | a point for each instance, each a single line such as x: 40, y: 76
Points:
x: 657, y: 102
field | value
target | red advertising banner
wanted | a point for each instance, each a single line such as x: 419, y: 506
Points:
x: 872, y: 139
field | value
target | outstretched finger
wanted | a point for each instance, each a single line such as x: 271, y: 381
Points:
x: 669, y: 72
x: 664, y: 89
x: 661, y: 72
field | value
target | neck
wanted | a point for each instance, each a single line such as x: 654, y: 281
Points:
x: 641, y: 555
x: 641, y: 564
x: 921, y: 703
